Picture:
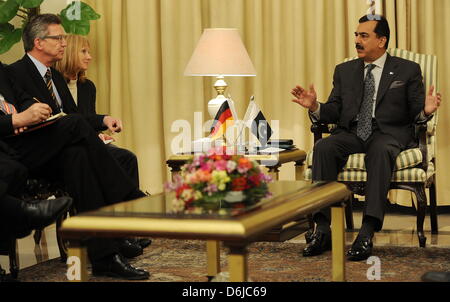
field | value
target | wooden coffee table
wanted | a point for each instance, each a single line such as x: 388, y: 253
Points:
x: 236, y: 228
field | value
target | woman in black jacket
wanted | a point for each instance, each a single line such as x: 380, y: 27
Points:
x: 73, y: 67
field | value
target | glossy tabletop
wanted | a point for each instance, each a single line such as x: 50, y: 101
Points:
x: 153, y: 215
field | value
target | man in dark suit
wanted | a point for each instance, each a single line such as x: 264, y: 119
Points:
x: 375, y: 101
x: 18, y: 217
x: 44, y: 42
x: 69, y: 150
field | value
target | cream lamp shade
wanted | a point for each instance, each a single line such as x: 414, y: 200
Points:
x: 220, y: 52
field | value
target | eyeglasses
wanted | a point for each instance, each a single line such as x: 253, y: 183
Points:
x: 60, y: 38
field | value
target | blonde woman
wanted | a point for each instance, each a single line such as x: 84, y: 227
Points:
x: 73, y: 67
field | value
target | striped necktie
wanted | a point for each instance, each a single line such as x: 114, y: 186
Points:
x: 49, y: 83
x: 6, y: 107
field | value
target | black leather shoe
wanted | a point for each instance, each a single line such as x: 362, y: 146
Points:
x: 2, y: 274
x: 118, y: 267
x: 41, y: 213
x: 144, y: 242
x: 320, y: 242
x: 309, y: 235
x: 436, y: 277
x: 129, y: 248
x: 361, y: 249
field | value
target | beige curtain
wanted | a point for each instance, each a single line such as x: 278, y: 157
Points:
x: 141, y: 48
x: 423, y: 26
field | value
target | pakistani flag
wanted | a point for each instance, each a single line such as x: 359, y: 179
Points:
x: 255, y: 120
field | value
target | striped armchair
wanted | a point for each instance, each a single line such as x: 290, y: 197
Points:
x: 414, y: 169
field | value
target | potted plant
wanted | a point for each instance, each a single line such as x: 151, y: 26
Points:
x: 75, y: 19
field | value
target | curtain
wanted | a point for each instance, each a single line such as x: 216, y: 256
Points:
x: 141, y: 48
x: 422, y: 26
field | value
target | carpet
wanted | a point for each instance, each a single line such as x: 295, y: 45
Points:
x: 185, y: 261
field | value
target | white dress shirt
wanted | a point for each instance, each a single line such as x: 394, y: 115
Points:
x: 42, y: 71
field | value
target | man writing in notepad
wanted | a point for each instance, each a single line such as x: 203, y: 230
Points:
x: 45, y: 44
x: 69, y: 150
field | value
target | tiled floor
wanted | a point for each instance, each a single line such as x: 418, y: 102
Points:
x: 398, y: 230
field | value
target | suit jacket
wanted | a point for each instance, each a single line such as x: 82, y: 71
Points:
x: 12, y: 94
x: 25, y: 73
x: 86, y: 99
x: 400, y: 99
x: 87, y: 95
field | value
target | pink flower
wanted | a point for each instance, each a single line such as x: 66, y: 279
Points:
x: 221, y: 165
x: 211, y: 188
x: 207, y: 166
x: 265, y: 178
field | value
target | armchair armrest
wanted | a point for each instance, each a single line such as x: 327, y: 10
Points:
x: 318, y: 129
x: 422, y: 137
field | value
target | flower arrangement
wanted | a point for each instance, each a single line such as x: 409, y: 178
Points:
x: 219, y: 179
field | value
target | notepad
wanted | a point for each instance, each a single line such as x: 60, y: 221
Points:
x: 42, y: 124
x: 47, y: 122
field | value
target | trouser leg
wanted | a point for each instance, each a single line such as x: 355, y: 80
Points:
x: 382, y: 151
x: 13, y: 174
x: 127, y: 161
x: 330, y: 156
x: 13, y: 222
x: 39, y: 148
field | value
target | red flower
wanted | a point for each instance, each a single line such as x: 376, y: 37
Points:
x: 255, y: 180
x: 239, y: 184
x: 181, y: 189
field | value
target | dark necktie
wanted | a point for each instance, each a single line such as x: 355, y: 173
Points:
x: 49, y: 82
x: 364, y: 129
x: 6, y: 107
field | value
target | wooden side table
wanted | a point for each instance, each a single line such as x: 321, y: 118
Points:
x: 272, y: 163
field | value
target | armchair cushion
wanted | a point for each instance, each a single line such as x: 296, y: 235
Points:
x: 405, y: 175
x: 407, y: 159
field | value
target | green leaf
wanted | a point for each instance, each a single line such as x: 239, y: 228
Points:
x: 8, y: 10
x: 76, y: 27
x: 29, y: 3
x: 8, y: 37
x: 76, y: 18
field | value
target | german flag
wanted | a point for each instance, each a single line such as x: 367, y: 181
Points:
x: 223, y: 118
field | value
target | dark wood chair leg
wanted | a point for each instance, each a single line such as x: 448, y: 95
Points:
x: 61, y: 243
x: 349, y: 214
x: 419, y: 190
x: 433, y: 208
x: 37, y: 236
x: 13, y: 259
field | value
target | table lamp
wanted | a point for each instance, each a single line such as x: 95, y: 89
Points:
x: 220, y: 53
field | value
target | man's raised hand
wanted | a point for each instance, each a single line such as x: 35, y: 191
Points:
x: 305, y: 98
x: 432, y: 102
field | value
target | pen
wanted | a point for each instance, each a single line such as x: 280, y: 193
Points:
x: 40, y: 103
